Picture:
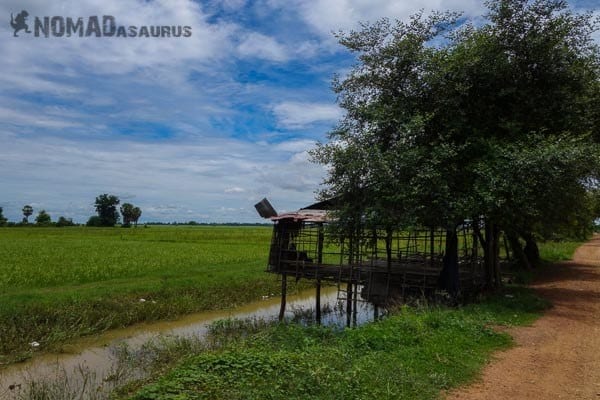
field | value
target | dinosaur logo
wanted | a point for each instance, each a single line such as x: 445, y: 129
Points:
x: 19, y: 22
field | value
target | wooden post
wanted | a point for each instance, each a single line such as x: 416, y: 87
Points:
x: 318, y: 302
x: 355, y: 305
x: 283, y: 296
x: 320, y: 240
x: 375, y: 312
x: 349, y: 302
x: 431, y: 246
x: 388, y: 254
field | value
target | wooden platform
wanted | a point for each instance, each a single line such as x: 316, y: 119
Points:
x: 406, y: 275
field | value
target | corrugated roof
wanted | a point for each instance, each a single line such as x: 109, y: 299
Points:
x: 304, y: 215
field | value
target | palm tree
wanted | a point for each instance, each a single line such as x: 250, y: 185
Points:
x: 137, y: 213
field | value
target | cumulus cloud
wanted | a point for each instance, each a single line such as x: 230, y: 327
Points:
x: 327, y: 16
x: 261, y: 46
x: 165, y: 178
x: 295, y: 145
x: 195, y: 128
x: 297, y: 115
x: 120, y: 55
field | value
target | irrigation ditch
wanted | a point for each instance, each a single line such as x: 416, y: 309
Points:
x: 93, y: 367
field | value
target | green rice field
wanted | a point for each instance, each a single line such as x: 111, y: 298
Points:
x: 61, y: 283
x: 57, y: 284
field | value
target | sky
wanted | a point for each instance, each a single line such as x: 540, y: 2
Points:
x: 187, y: 128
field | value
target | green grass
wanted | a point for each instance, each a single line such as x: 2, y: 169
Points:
x: 413, y: 354
x: 61, y: 283
x: 558, y: 251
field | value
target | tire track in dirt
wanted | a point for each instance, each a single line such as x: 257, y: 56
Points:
x: 558, y: 357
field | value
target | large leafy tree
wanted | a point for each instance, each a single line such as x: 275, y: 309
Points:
x: 106, y: 207
x: 444, y: 122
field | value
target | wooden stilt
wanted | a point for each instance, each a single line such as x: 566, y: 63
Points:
x: 355, y: 304
x: 318, y: 302
x: 283, y: 296
x: 431, y: 247
x: 348, y: 303
x: 320, y: 240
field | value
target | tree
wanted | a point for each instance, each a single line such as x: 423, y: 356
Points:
x: 106, y: 207
x: 94, y: 221
x: 27, y: 212
x: 43, y: 219
x: 127, y: 213
x: 3, y: 220
x: 447, y: 122
x: 62, y: 221
x: 136, y: 214
x: 130, y: 214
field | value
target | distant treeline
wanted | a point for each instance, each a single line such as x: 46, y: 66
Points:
x: 194, y: 223
x: 107, y: 216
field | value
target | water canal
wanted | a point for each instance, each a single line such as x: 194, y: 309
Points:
x: 89, y: 362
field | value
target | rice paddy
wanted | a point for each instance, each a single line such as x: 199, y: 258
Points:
x: 61, y: 283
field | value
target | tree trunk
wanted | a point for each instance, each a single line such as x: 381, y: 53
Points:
x: 449, y: 277
x: 517, y: 250
x: 491, y: 249
x: 531, y: 249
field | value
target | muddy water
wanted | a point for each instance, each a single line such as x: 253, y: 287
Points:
x: 96, y: 354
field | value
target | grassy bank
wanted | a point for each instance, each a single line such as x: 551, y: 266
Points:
x: 60, y: 283
x: 413, y: 354
x: 558, y: 251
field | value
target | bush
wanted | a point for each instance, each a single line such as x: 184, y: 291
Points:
x: 94, y: 221
x: 62, y: 221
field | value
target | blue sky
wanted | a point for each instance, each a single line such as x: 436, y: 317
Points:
x: 196, y: 128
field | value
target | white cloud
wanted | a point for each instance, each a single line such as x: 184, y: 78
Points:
x: 261, y: 46
x: 234, y: 189
x: 295, y: 145
x: 297, y: 115
x: 162, y: 60
x: 167, y: 180
x: 327, y: 16
x: 14, y: 117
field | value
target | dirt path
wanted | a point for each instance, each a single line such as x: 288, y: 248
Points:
x: 558, y: 357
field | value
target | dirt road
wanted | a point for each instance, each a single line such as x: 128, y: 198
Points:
x: 558, y: 357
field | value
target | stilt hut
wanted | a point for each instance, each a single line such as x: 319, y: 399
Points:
x: 376, y: 263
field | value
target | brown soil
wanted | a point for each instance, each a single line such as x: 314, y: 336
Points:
x: 558, y: 357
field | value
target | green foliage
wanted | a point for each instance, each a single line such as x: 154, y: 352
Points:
x: 3, y: 220
x: 63, y: 221
x: 412, y: 354
x: 43, y: 219
x: 446, y: 122
x: 106, y: 207
x: 553, y: 251
x: 62, y: 283
x: 130, y: 214
x: 136, y: 214
x: 94, y: 221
